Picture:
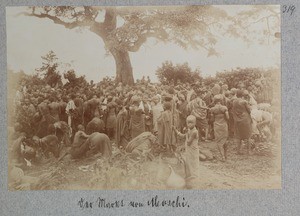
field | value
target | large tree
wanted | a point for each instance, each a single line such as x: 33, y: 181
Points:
x: 126, y: 29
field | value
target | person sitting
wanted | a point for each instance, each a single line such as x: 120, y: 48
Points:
x: 95, y: 125
x: 47, y: 144
x: 86, y: 145
x: 79, y: 146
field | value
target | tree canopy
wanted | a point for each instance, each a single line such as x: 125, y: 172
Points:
x: 169, y: 73
x: 73, y: 80
x: 243, y: 76
x: 49, y: 69
x: 126, y: 29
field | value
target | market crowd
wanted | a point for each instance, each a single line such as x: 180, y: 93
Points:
x: 122, y: 113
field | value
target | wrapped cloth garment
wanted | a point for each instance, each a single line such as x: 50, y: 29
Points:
x: 166, y: 135
x: 242, y: 119
x: 256, y: 116
x: 54, y: 110
x: 141, y: 143
x: 99, y: 143
x: 137, y: 122
x: 84, y: 145
x: 220, y: 127
x: 122, y: 130
x: 70, y: 108
x: 95, y: 125
x: 111, y: 115
x: 156, y: 112
x: 197, y: 108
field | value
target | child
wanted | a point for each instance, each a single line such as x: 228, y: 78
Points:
x: 191, y: 151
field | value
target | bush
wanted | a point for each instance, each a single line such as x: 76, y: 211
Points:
x: 169, y: 73
x: 74, y: 81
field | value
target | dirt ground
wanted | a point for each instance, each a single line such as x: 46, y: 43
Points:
x: 256, y: 171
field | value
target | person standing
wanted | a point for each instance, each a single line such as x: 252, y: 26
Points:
x: 62, y: 109
x: 220, y: 116
x: 78, y: 101
x: 157, y: 109
x: 122, y: 131
x: 182, y: 110
x: 137, y: 122
x: 242, y: 121
x: 70, y: 109
x: 46, y: 120
x: 191, y: 152
x: 148, y: 114
x: 111, y: 117
x: 63, y: 132
x: 54, y: 108
x: 198, y: 108
x: 166, y: 137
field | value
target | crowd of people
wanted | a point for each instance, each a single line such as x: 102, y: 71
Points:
x: 121, y: 113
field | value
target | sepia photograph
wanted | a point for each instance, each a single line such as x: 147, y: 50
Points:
x: 144, y: 97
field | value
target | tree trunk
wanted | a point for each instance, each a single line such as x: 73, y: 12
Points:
x: 123, y: 67
x: 122, y: 59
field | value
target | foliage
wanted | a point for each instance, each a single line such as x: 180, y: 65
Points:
x: 169, y: 73
x: 126, y: 29
x: 24, y: 119
x: 123, y: 171
x: 73, y: 80
x: 245, y: 76
x: 209, y: 81
x: 14, y: 78
x: 20, y: 78
x: 245, y: 24
x: 49, y: 69
x: 51, y: 179
x: 180, y: 25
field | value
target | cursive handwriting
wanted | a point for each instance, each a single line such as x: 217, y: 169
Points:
x: 100, y: 202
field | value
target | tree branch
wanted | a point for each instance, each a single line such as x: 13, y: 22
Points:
x: 56, y: 20
x: 259, y: 20
x: 160, y: 34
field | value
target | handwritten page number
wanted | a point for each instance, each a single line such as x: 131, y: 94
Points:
x: 288, y: 9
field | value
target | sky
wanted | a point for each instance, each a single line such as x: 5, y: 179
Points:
x: 29, y: 38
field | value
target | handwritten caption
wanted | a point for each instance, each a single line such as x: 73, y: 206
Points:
x: 288, y: 9
x: 154, y: 202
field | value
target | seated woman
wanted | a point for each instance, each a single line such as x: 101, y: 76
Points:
x: 95, y: 125
x: 85, y: 145
x: 79, y: 146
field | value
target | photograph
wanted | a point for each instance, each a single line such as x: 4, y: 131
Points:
x: 144, y: 97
